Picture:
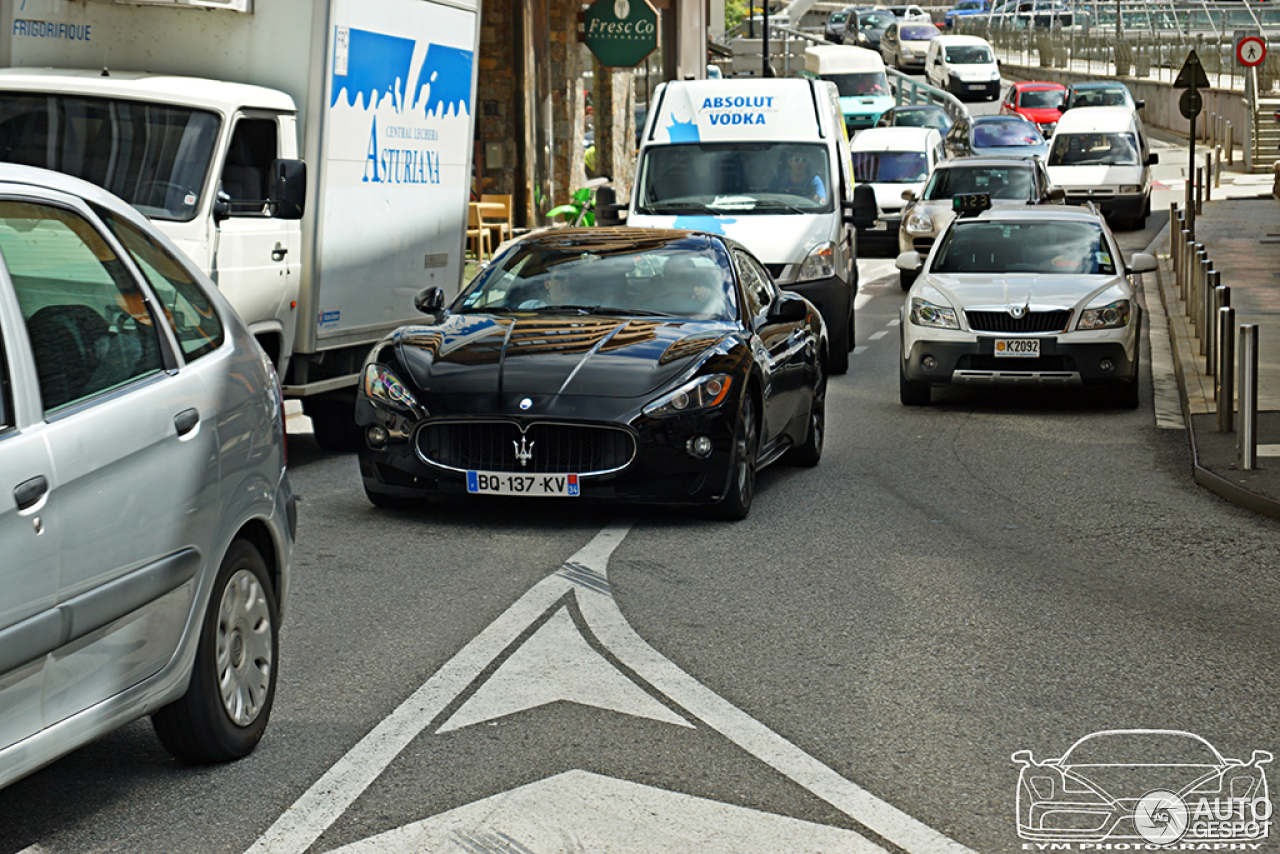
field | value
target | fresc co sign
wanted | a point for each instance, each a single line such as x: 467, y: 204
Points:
x: 621, y: 33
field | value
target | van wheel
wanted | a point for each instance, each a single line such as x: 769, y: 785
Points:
x: 233, y: 680
x: 840, y: 346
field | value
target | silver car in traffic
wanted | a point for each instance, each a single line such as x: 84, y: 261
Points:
x: 146, y: 517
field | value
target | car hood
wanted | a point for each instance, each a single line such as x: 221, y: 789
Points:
x: 863, y: 104
x: 773, y: 238
x: 1036, y: 291
x: 889, y: 196
x: 1094, y: 177
x: 1040, y: 115
x: 554, y: 354
x: 1012, y: 151
x: 976, y: 73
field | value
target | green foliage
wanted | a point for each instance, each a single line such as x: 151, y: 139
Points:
x: 735, y: 11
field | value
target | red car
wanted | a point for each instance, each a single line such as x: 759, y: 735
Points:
x: 1036, y: 101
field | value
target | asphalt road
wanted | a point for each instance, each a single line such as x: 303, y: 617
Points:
x: 852, y: 666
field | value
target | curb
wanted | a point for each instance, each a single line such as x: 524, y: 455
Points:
x: 1215, y: 483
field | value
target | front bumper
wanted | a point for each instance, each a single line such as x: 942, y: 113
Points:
x: 1061, y: 362
x: 1110, y: 203
x: 962, y: 89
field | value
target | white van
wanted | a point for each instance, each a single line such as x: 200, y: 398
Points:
x: 766, y: 162
x: 1100, y: 155
x: 965, y: 66
x: 893, y: 160
x: 860, y: 78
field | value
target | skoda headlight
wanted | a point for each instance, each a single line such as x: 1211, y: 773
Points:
x: 925, y: 313
x: 1110, y: 316
x: 821, y: 263
x: 381, y: 385
x: 919, y: 221
x: 702, y: 393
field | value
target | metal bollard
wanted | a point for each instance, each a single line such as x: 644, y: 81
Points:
x: 1231, y: 151
x: 1211, y: 128
x: 1199, y: 190
x: 1208, y: 175
x: 1247, y: 436
x: 1188, y: 253
x: 1221, y: 298
x: 1217, y: 166
x: 1175, y: 228
x: 1197, y: 299
x: 1210, y: 309
x: 1190, y: 207
x: 1226, y: 368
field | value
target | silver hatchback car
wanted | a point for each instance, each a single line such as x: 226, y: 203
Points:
x: 146, y: 518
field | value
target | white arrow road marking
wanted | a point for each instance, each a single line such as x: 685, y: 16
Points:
x: 585, y: 577
x: 557, y: 664
x: 608, y: 815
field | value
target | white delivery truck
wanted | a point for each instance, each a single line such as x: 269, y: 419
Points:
x: 313, y: 156
x: 764, y: 161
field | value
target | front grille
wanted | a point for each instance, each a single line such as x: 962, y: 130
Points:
x: 922, y: 244
x: 1032, y: 321
x: 1042, y: 364
x: 546, y: 447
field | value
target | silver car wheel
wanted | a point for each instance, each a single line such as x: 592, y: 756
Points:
x: 244, y: 648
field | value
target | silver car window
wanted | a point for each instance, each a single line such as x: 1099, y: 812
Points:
x: 90, y: 326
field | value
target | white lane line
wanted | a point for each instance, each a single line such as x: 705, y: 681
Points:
x: 876, y: 336
x: 326, y: 800
x: 860, y: 349
x: 585, y: 574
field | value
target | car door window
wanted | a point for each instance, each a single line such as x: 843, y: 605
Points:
x: 90, y: 325
x: 188, y: 310
x: 244, y: 173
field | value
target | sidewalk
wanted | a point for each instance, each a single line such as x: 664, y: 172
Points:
x: 1240, y: 229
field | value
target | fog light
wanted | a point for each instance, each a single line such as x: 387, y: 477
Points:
x: 929, y: 363
x: 377, y: 436
x: 1107, y: 365
x: 699, y: 446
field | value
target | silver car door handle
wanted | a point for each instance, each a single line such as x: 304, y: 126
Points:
x: 186, y: 421
x: 29, y: 492
x: 279, y: 252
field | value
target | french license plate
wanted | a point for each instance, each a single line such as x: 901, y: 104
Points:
x: 533, y: 485
x: 1024, y: 347
x: 973, y: 88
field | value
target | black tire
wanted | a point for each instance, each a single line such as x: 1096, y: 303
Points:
x: 334, y: 423
x: 741, y: 490
x: 907, y: 278
x: 841, y: 343
x: 1124, y: 395
x: 912, y: 393
x: 239, y: 646
x: 809, y: 453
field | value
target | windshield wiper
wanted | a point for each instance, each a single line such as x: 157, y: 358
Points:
x: 774, y: 203
x: 598, y: 309
x: 665, y: 207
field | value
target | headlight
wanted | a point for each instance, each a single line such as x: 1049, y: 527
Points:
x: 908, y: 53
x: 821, y: 263
x: 1130, y: 188
x: 702, y: 393
x: 925, y: 313
x: 1111, y: 316
x: 919, y: 221
x: 383, y: 386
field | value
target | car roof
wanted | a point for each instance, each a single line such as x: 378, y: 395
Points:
x: 1037, y: 84
x: 902, y: 108
x: 1000, y: 119
x: 896, y: 138
x: 1067, y: 213
x: 988, y: 160
x: 605, y: 239
x: 1099, y: 84
x: 1098, y: 119
x: 960, y: 40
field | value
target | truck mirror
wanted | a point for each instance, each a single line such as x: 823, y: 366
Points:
x: 287, y: 189
x: 862, y: 212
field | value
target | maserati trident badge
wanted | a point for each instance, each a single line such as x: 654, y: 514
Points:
x: 524, y: 450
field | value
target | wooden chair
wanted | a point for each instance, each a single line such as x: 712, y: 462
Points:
x: 478, y: 234
x: 498, y: 221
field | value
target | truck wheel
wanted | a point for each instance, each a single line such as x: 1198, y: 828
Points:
x: 233, y: 680
x: 334, y: 423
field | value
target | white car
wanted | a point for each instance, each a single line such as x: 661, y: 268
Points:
x: 147, y: 522
x: 965, y: 66
x: 1011, y: 296
x: 893, y: 160
x: 910, y: 12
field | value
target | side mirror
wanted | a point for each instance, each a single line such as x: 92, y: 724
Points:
x: 1139, y: 104
x: 1261, y: 757
x: 287, y: 189
x: 788, y: 309
x: 429, y: 301
x: 1141, y: 262
x: 1153, y: 159
x: 909, y: 261
x: 908, y: 195
x: 1023, y: 757
x: 221, y: 207
x: 1056, y: 194
x: 863, y: 211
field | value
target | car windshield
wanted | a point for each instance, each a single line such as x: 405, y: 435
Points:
x: 890, y: 167
x: 1099, y: 97
x: 919, y: 32
x: 1043, y: 247
x: 875, y: 20
x: 969, y: 55
x: 921, y: 119
x: 837, y: 17
x: 1094, y: 149
x: 969, y: 5
x: 1142, y: 748
x: 1036, y: 99
x: 154, y: 156
x: 641, y: 278
x: 999, y: 182
x: 866, y: 84
x: 1006, y: 135
x: 738, y: 178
